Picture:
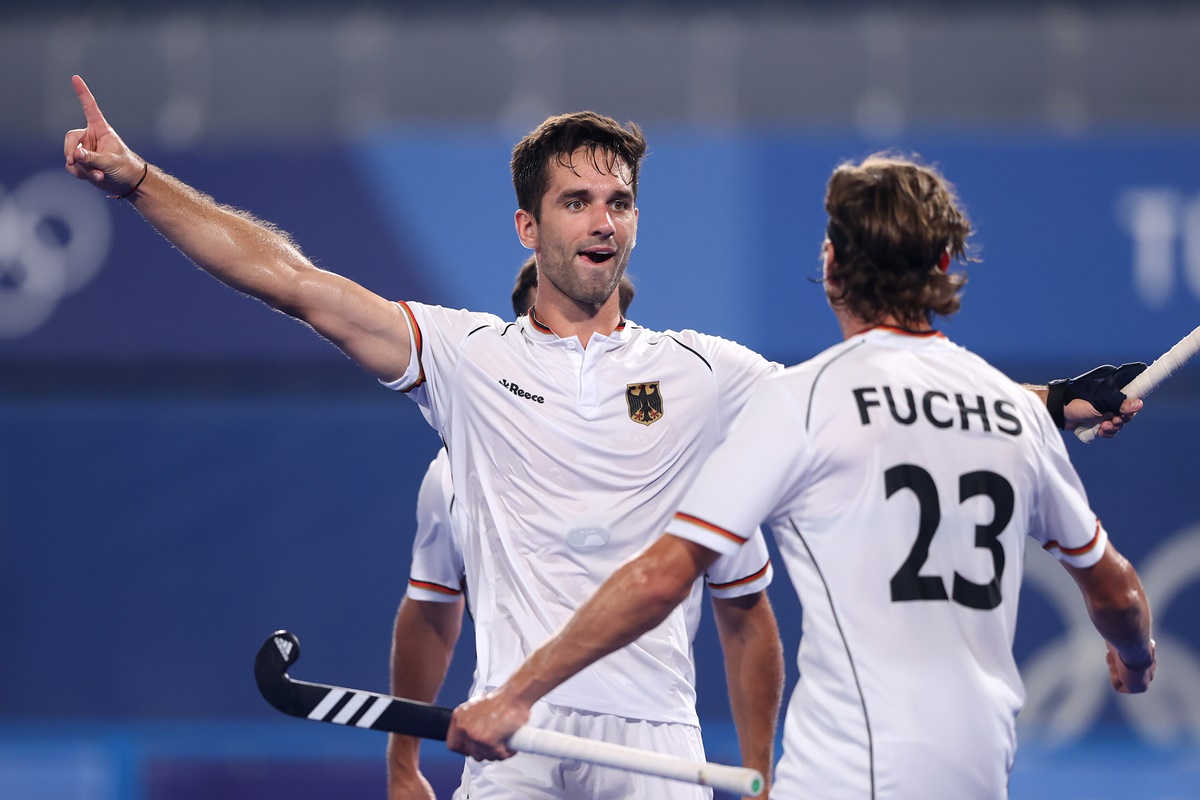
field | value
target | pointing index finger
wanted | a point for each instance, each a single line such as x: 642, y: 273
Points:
x: 91, y: 111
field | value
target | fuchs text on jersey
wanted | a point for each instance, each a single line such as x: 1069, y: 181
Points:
x: 519, y: 392
x: 937, y: 408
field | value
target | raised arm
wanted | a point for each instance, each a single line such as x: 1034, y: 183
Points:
x: 754, y: 674
x: 239, y: 250
x: 1119, y: 609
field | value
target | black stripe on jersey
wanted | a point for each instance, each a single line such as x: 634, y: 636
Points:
x: 743, y: 580
x: 477, y: 330
x: 853, y: 671
x: 690, y: 350
x: 812, y: 391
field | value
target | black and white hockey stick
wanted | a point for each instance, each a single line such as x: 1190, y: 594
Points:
x: 380, y: 712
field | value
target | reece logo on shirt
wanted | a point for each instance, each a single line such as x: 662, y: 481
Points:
x: 519, y: 392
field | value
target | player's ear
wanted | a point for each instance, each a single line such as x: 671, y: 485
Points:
x: 527, y: 229
x: 827, y: 257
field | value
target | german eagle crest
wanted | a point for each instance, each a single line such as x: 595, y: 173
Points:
x: 645, y: 402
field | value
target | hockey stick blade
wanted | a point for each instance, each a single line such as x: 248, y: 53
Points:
x: 351, y: 707
x: 378, y: 712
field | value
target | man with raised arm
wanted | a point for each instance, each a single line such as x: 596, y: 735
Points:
x: 901, y: 476
x: 571, y: 434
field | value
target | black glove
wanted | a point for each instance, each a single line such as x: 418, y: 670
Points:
x: 1101, y: 387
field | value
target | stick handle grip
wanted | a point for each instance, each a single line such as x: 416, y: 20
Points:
x: 738, y: 780
x: 1163, y: 367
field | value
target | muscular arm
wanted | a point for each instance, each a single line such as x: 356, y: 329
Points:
x: 1119, y: 609
x: 754, y: 673
x: 423, y: 642
x: 635, y: 599
x: 240, y: 251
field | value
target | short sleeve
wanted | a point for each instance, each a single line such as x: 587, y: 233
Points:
x: 746, y: 571
x: 437, y: 574
x: 1064, y: 523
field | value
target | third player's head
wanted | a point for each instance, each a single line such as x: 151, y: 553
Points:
x: 894, y: 227
x: 576, y: 179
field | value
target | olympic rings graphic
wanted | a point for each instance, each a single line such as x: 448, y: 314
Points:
x: 55, y: 234
x: 1066, y: 682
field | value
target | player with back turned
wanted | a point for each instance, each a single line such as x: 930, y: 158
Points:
x: 901, y: 475
x: 571, y: 433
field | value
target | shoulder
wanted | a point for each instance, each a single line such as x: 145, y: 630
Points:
x: 458, y: 319
x: 716, y: 350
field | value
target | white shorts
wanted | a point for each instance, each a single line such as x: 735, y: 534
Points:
x: 531, y: 777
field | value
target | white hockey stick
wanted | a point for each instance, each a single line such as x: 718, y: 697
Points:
x: 380, y: 712
x: 1163, y: 367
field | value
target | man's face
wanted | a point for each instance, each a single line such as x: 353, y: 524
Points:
x: 587, y: 229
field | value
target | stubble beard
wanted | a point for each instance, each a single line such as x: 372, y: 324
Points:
x: 584, y: 289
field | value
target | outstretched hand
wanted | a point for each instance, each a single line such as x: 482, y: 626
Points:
x: 96, y: 153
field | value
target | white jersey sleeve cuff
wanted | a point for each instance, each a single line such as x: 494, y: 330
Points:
x: 431, y: 592
x: 697, y: 530
x: 1080, y: 557
x: 755, y: 582
x: 411, y: 375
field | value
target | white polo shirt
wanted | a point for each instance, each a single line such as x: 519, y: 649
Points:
x: 901, y: 475
x: 565, y: 462
x: 437, y: 573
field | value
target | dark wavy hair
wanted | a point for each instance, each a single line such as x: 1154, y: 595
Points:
x: 894, y: 224
x: 603, y: 140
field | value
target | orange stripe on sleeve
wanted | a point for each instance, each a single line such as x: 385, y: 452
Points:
x: 433, y: 587
x: 1074, y: 551
x: 742, y: 581
x: 709, y: 526
x: 420, y: 344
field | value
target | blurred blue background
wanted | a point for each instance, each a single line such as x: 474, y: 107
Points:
x: 182, y: 472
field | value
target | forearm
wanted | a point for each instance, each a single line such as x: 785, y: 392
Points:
x: 238, y: 250
x: 1124, y: 621
x: 754, y: 675
x: 1117, y: 605
x: 255, y: 258
x: 635, y: 599
x: 423, y: 641
x: 1041, y: 390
